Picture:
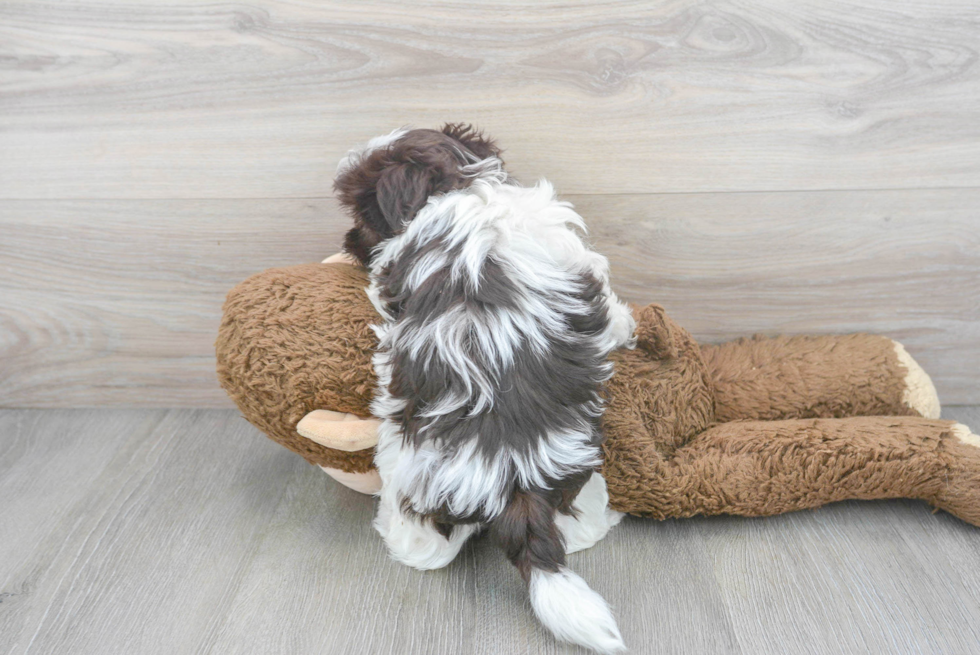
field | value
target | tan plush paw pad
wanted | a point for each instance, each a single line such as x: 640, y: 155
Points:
x: 365, y: 483
x: 341, y: 258
x: 920, y: 394
x: 965, y: 435
x: 338, y: 430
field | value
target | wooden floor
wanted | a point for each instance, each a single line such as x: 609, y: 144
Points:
x: 186, y: 531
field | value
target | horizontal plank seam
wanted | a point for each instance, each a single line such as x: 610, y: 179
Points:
x: 565, y: 193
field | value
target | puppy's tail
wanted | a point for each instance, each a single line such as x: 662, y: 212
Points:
x: 562, y: 600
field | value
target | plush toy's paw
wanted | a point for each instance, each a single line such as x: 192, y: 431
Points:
x: 339, y: 431
x: 965, y: 435
x: 960, y: 495
x: 341, y: 258
x: 920, y: 393
x: 365, y: 483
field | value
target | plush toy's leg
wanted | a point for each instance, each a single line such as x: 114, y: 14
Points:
x: 820, y: 377
x: 754, y: 468
x: 593, y: 519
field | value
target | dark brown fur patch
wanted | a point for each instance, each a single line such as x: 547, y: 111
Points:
x: 527, y: 533
x: 389, y: 185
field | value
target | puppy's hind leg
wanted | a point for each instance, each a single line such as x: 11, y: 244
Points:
x: 410, y: 539
x: 414, y: 541
x: 593, y: 519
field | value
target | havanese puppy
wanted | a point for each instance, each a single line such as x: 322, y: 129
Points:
x: 497, y: 323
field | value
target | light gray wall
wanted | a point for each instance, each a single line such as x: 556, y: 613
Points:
x: 780, y: 167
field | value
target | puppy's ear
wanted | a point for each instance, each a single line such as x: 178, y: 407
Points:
x: 359, y: 243
x: 472, y: 139
x: 384, y: 189
x: 403, y: 189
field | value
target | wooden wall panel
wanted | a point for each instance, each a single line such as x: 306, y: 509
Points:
x: 258, y: 100
x: 116, y: 302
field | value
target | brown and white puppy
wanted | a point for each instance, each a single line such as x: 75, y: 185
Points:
x: 498, y: 320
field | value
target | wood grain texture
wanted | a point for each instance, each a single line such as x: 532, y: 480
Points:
x: 128, y: 531
x: 905, y: 264
x: 118, y: 302
x: 182, y: 99
x: 186, y: 531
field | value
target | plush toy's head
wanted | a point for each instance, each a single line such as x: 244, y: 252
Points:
x: 384, y: 184
x: 297, y: 339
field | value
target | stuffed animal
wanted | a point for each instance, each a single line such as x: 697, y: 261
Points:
x: 753, y: 427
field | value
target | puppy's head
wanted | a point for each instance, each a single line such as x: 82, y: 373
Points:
x: 386, y: 183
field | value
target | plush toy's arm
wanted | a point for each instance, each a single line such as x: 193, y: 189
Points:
x: 821, y: 377
x: 758, y: 468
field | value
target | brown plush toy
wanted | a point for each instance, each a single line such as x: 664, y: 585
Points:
x: 752, y: 427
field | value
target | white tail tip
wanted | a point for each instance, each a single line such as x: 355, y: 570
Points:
x: 573, y: 612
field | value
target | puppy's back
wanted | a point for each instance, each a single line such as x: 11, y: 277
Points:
x: 496, y: 350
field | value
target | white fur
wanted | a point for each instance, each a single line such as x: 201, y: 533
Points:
x: 354, y: 155
x: 594, y: 519
x: 566, y: 605
x: 536, y: 238
x: 465, y: 480
x: 409, y: 540
x: 415, y: 543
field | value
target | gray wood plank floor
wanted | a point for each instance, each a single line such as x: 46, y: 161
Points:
x: 186, y: 531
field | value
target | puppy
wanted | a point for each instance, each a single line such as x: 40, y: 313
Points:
x: 498, y: 320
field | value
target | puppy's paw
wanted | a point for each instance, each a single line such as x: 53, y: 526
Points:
x: 594, y: 519
x: 418, y: 544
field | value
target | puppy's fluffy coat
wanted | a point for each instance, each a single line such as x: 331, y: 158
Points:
x: 498, y: 320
